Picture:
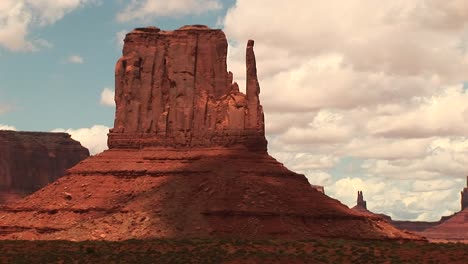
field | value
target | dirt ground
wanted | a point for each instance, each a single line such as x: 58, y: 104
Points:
x: 232, y: 251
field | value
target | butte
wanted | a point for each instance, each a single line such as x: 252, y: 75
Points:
x: 187, y: 158
x: 31, y: 160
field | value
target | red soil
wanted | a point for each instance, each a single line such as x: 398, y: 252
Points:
x: 216, y: 192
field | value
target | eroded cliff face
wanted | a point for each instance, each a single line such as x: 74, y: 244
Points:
x: 31, y: 160
x: 173, y: 89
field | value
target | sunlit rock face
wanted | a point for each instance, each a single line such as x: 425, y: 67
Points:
x: 173, y: 89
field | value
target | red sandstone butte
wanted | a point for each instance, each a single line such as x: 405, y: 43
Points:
x: 173, y: 89
x: 188, y: 158
x: 31, y: 160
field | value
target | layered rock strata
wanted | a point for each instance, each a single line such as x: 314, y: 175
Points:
x: 31, y: 160
x: 187, y: 158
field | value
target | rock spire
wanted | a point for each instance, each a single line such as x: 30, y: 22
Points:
x: 360, y: 200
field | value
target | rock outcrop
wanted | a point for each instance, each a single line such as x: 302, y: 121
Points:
x: 360, y: 203
x: 361, y: 206
x: 31, y: 160
x: 187, y: 158
x: 173, y: 89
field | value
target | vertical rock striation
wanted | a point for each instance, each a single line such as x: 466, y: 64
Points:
x: 173, y: 89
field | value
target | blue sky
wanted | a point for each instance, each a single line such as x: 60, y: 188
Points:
x: 358, y: 95
x: 46, y: 91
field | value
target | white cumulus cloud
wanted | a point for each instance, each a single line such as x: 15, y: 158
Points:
x: 19, y: 17
x: 75, y: 59
x: 107, y: 97
x: 146, y: 9
x: 93, y: 138
x: 419, y: 200
x: 119, y: 38
x: 6, y: 127
x: 380, y: 83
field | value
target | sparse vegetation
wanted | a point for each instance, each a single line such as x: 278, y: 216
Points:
x: 231, y: 251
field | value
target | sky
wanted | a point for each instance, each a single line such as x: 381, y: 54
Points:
x: 358, y: 95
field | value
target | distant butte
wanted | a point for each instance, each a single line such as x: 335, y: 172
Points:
x: 188, y: 158
x: 31, y: 160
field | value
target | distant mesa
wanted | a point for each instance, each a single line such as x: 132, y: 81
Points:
x: 188, y: 158
x: 31, y: 160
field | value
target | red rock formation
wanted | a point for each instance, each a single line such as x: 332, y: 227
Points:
x: 187, y: 158
x: 453, y: 229
x: 361, y: 206
x: 31, y: 160
x: 173, y: 89
x: 360, y: 203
